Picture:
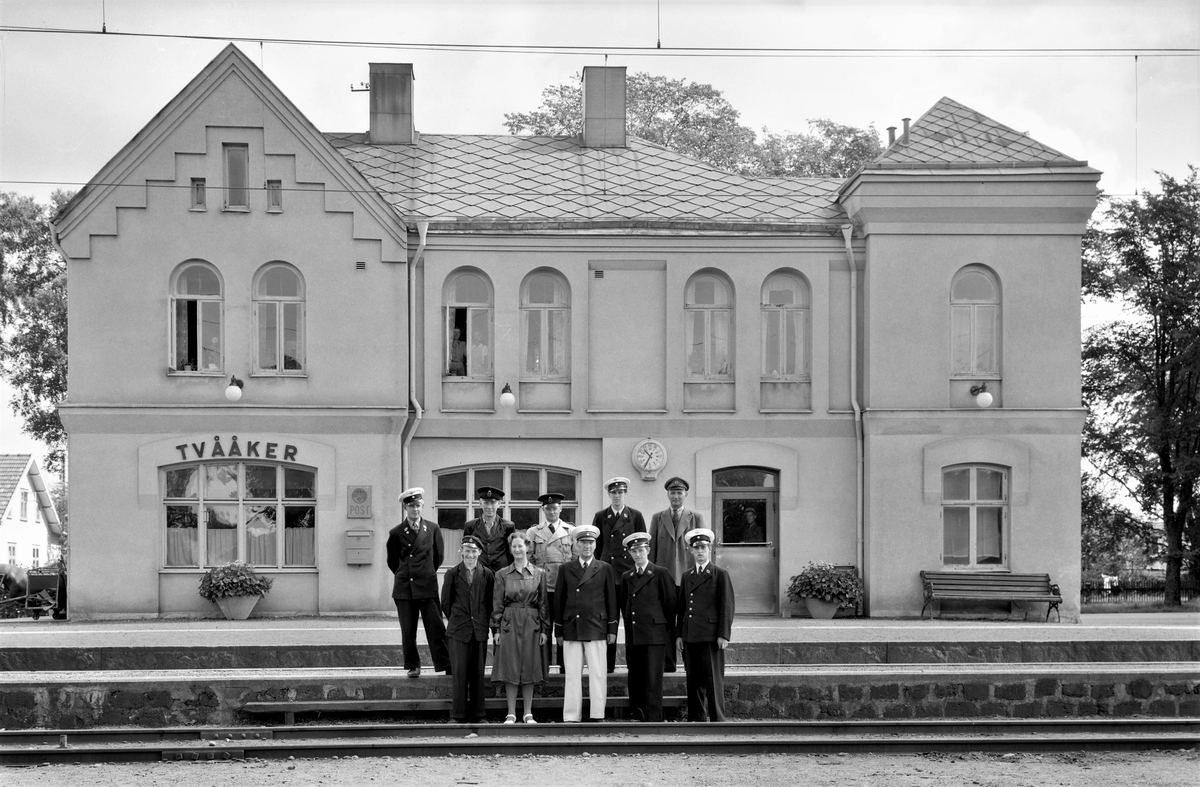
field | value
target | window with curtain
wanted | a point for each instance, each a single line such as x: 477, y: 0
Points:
x: 708, y: 328
x: 197, y: 319
x: 975, y: 516
x: 279, y: 317
x: 975, y: 323
x: 468, y: 326
x: 785, y: 328
x: 263, y: 514
x: 545, y: 327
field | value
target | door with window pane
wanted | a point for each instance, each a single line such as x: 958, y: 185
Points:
x: 745, y: 521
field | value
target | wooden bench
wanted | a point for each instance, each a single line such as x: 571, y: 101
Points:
x: 289, y: 709
x: 1013, y: 588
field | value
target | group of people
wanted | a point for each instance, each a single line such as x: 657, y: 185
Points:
x: 555, y: 594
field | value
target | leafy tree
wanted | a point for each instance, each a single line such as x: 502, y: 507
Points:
x: 696, y: 120
x: 1142, y: 373
x: 33, y: 318
x: 1111, y: 534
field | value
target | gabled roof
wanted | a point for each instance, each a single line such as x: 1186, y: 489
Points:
x: 953, y: 135
x: 12, y: 468
x: 556, y: 179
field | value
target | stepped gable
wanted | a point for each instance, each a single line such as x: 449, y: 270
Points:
x: 952, y: 135
x: 555, y: 179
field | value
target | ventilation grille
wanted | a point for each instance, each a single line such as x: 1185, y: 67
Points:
x: 599, y: 274
x: 360, y: 266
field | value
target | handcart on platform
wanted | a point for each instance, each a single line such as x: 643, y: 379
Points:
x: 34, y: 592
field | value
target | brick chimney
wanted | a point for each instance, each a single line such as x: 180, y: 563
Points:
x: 604, y: 106
x: 392, y: 104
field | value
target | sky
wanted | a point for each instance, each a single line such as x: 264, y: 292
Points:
x: 1112, y: 82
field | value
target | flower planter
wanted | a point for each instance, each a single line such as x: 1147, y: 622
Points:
x: 820, y: 608
x: 237, y: 607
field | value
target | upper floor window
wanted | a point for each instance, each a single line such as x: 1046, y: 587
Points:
x: 708, y: 311
x: 199, y: 194
x: 237, y: 177
x: 974, y: 516
x: 263, y: 514
x: 468, y: 326
x: 975, y: 323
x: 24, y: 504
x: 274, y: 196
x: 545, y: 327
x: 37, y: 557
x: 785, y: 328
x: 197, y: 316
x: 279, y: 317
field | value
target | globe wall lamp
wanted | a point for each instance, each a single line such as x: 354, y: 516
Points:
x: 982, y: 397
x: 233, y: 391
x: 507, y: 397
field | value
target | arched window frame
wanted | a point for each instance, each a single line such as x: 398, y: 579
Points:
x: 708, y: 329
x: 280, y: 325
x: 197, y: 322
x: 476, y: 320
x: 975, y: 327
x: 545, y: 328
x: 786, y: 329
x: 975, y: 516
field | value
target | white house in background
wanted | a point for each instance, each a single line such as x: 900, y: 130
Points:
x: 30, y: 532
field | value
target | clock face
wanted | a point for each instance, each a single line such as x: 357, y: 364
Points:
x: 650, y: 455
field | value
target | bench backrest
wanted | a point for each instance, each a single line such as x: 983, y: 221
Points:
x: 959, y: 582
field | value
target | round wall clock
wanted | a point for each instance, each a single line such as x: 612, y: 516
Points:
x: 649, y: 457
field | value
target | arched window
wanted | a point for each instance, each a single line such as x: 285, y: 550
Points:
x: 708, y: 310
x: 279, y: 317
x: 545, y: 327
x: 785, y: 328
x: 974, y: 516
x: 975, y: 323
x: 468, y: 326
x: 197, y: 319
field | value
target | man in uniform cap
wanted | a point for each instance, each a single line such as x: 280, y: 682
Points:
x: 551, y: 546
x: 647, y: 599
x: 614, y: 523
x: 414, y: 552
x: 668, y: 547
x: 467, y: 603
x: 704, y: 627
x: 585, y: 616
x: 490, y: 529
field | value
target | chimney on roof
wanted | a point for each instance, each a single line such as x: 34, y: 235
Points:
x: 392, y: 104
x: 891, y: 136
x: 904, y: 136
x: 604, y: 106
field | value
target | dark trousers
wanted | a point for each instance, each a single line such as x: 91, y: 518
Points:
x: 466, y: 661
x: 430, y: 611
x: 610, y: 653
x: 552, y: 653
x: 645, y: 681
x: 705, y: 665
x: 669, y: 661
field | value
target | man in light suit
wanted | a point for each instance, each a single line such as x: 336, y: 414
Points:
x: 467, y: 603
x: 414, y: 553
x: 705, y: 625
x: 585, y: 620
x: 647, y: 601
x: 615, y: 523
x: 667, y: 546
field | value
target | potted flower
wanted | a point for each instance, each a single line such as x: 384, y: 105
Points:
x: 234, y: 587
x: 825, y: 588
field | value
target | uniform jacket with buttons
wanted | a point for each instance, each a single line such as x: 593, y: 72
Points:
x: 414, y: 559
x: 495, y: 554
x: 468, y: 605
x: 585, y: 601
x: 705, y: 605
x: 551, y: 549
x: 648, y: 606
x: 610, y: 546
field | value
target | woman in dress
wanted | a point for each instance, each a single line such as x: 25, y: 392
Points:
x: 520, y: 626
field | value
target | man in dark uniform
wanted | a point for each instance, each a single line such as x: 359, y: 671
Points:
x: 667, y: 546
x: 585, y: 616
x: 414, y: 552
x: 467, y: 602
x: 647, y: 603
x: 705, y: 623
x: 614, y: 523
x: 491, y: 530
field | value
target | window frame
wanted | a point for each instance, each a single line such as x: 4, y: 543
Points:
x: 803, y: 312
x: 475, y: 311
x: 973, y: 503
x: 236, y: 186
x: 174, y: 365
x: 242, y: 502
x: 546, y: 313
x: 709, y: 311
x: 199, y: 194
x: 263, y: 304
x: 24, y: 505
x: 274, y: 196
x: 971, y: 309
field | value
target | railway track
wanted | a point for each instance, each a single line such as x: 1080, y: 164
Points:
x: 36, y: 747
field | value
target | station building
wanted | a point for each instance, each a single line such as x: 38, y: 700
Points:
x: 811, y: 355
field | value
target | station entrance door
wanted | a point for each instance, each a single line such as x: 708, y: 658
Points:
x: 746, y: 523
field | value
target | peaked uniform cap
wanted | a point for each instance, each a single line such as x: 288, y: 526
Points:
x: 411, y: 494
x: 675, y: 482
x: 585, y: 531
x: 489, y: 493
x: 550, y: 497
x: 635, y: 539
x: 701, y: 535
x: 472, y: 540
x: 616, y: 483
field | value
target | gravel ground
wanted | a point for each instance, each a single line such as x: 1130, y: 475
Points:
x: 1156, y: 769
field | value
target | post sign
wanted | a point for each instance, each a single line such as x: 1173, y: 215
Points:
x: 358, y: 502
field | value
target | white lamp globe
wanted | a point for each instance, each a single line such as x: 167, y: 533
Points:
x: 233, y: 392
x: 983, y: 399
